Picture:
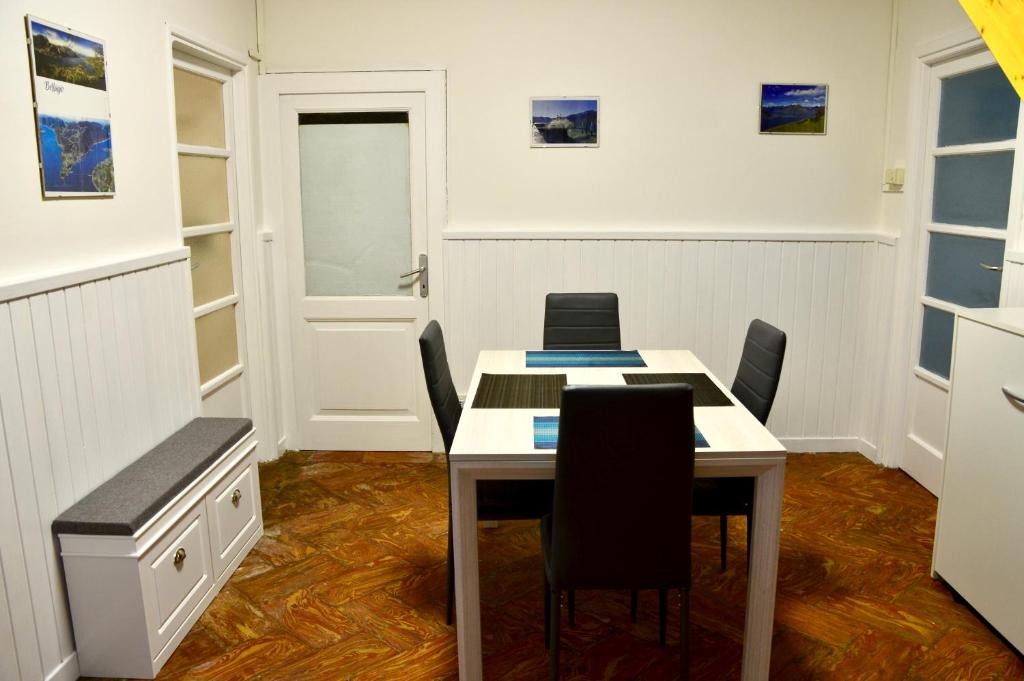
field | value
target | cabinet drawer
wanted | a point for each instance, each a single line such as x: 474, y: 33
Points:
x: 232, y: 509
x: 179, y: 571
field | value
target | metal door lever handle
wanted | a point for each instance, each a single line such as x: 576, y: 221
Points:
x: 412, y: 272
x: 1015, y: 394
x: 990, y: 268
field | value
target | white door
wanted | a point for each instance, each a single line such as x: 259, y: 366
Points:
x: 971, y: 194
x: 356, y: 204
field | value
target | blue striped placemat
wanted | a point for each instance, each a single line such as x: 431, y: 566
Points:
x: 545, y: 434
x: 584, y: 358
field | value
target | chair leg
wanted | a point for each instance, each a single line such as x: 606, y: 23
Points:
x: 634, y: 602
x: 723, y: 535
x: 572, y: 607
x: 556, y: 611
x: 451, y: 574
x: 684, y: 628
x: 547, y: 612
x: 662, y: 615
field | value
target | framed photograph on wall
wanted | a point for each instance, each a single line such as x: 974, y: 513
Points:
x: 564, y: 121
x: 69, y: 83
x: 793, y: 109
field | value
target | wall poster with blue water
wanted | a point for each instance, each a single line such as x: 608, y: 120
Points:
x: 72, y: 111
x: 794, y: 109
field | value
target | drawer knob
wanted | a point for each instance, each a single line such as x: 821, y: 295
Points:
x: 179, y: 557
x: 236, y: 496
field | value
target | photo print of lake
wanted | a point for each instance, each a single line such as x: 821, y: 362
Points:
x: 66, y: 57
x: 564, y: 122
x: 793, y: 109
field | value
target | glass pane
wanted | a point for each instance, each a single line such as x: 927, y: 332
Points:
x: 973, y: 190
x: 954, y: 272
x: 354, y: 171
x: 211, y: 267
x: 217, y: 341
x: 198, y: 109
x: 204, y: 190
x: 980, y: 106
x: 936, y: 341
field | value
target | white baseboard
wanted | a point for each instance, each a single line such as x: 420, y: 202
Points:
x: 830, y: 444
x: 66, y: 670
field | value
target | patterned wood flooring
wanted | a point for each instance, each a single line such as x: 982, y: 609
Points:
x: 349, y: 583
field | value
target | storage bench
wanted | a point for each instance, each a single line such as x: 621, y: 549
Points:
x: 146, y: 551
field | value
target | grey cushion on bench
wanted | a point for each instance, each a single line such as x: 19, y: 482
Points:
x: 123, y: 504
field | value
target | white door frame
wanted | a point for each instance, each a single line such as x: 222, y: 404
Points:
x: 272, y: 88
x: 896, y: 405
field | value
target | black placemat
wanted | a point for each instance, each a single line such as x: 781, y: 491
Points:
x: 519, y: 391
x: 705, y: 392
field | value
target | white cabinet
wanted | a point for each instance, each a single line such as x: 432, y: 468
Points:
x: 134, y: 596
x: 979, y: 541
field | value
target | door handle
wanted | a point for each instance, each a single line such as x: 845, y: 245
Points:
x: 1015, y: 394
x: 990, y: 268
x: 422, y: 271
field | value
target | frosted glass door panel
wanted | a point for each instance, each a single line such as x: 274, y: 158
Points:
x: 212, y: 278
x: 204, y: 190
x: 937, y: 341
x: 980, y: 106
x: 198, y: 109
x: 973, y: 190
x: 955, y: 273
x: 356, y: 225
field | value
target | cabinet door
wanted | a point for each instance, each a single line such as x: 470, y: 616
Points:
x: 980, y: 539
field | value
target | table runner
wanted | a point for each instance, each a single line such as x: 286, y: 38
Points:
x: 705, y: 392
x: 519, y: 391
x: 545, y: 434
x: 584, y: 358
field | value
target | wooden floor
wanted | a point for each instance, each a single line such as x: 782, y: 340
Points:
x: 349, y: 583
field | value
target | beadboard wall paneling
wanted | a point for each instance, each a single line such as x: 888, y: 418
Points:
x: 92, y: 376
x: 1014, y: 283
x: 827, y: 295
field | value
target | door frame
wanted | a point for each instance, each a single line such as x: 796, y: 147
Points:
x: 896, y: 405
x: 273, y: 86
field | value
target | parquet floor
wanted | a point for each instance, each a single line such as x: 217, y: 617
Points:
x: 349, y: 583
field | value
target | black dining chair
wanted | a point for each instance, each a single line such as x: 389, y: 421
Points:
x: 755, y: 386
x: 622, y: 499
x: 496, y: 499
x: 581, y: 321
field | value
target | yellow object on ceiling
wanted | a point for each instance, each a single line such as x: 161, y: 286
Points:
x: 1001, y: 25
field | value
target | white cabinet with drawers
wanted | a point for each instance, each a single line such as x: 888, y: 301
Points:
x: 979, y: 540
x: 134, y: 596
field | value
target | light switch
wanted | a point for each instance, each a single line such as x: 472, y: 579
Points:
x: 894, y: 179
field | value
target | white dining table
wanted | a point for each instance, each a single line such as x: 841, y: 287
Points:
x: 498, y: 444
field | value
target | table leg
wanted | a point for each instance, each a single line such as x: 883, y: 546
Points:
x: 467, y: 573
x: 764, y: 569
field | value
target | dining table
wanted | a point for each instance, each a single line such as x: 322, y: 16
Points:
x: 508, y: 431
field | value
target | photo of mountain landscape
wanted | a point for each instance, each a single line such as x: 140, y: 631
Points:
x: 66, y: 57
x: 794, y: 109
x: 564, y: 122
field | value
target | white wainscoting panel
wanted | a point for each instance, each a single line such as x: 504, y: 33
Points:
x: 92, y: 376
x: 829, y: 296
x: 1014, y: 283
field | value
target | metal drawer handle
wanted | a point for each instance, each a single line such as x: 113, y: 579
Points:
x: 990, y: 268
x: 179, y: 557
x: 1015, y: 394
x: 236, y: 496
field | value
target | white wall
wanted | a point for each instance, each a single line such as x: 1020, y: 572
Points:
x: 95, y: 368
x: 678, y: 83
x: 54, y: 235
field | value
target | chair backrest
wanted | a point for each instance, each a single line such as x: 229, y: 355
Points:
x: 581, y: 321
x: 440, y: 387
x: 623, y: 487
x: 757, y: 378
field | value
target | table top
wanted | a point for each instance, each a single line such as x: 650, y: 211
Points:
x: 507, y: 434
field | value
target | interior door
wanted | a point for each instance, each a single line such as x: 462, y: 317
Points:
x: 971, y: 190
x: 355, y: 205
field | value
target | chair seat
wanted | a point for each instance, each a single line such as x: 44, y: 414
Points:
x: 513, y: 499
x: 722, y: 496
